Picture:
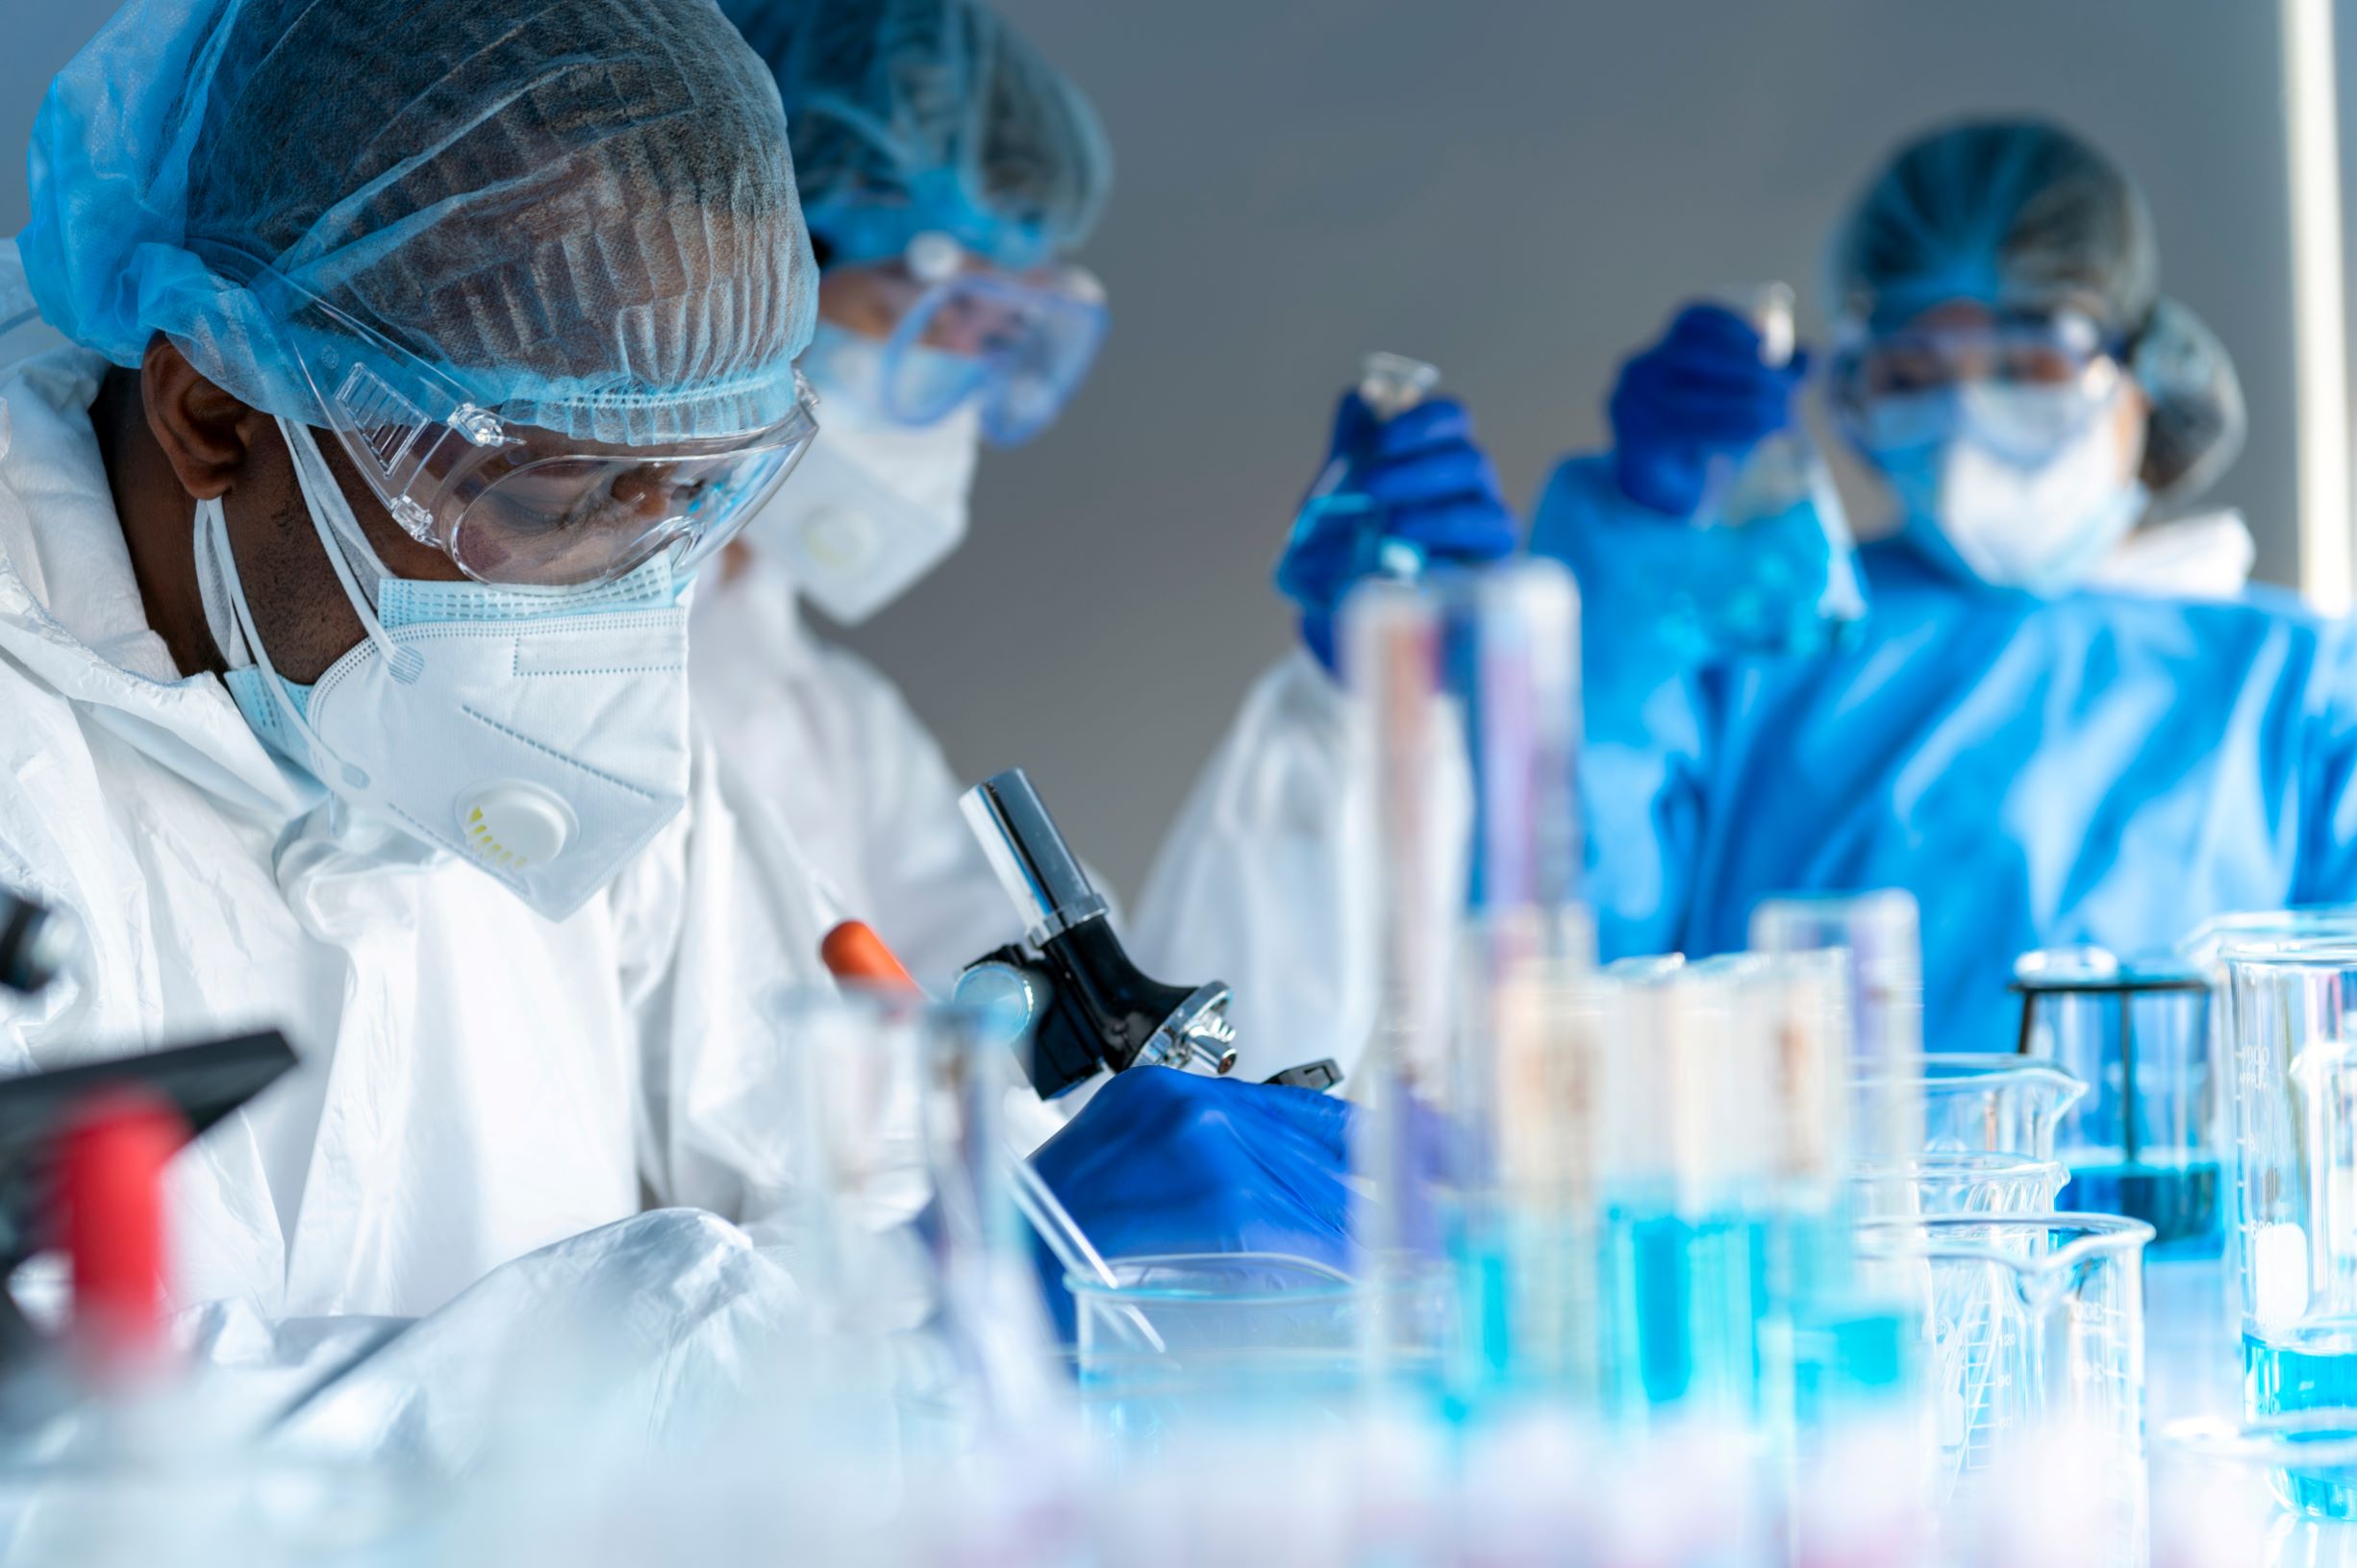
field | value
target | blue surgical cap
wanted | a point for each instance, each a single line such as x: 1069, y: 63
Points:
x: 910, y: 116
x: 2024, y: 218
x: 2013, y: 213
x: 583, y: 212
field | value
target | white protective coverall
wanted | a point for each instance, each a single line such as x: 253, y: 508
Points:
x: 826, y: 741
x: 477, y: 1081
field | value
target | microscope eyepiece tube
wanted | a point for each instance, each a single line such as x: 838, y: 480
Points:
x: 1034, y: 863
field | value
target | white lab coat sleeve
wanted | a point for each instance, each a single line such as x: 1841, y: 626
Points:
x: 731, y: 914
x: 1264, y: 881
x: 637, y: 1338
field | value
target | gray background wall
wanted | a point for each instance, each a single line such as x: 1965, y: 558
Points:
x: 1519, y: 191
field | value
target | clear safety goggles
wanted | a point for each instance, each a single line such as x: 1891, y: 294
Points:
x: 1020, y: 343
x: 2025, y: 387
x: 517, y: 505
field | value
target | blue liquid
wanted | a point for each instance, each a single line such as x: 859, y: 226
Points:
x: 1486, y: 1355
x: 1829, y: 1350
x: 2179, y: 1202
x: 1850, y: 1357
x: 1773, y: 584
x: 2319, y: 1372
x: 1680, y: 1312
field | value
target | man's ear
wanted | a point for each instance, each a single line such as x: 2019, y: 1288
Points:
x: 206, y: 434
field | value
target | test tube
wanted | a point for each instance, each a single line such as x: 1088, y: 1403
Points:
x: 1557, y: 1027
x: 1468, y: 682
x: 1389, y: 384
x: 1688, y: 1143
x: 1524, y: 1053
x: 1880, y: 933
x: 1852, y: 1336
x: 1509, y: 667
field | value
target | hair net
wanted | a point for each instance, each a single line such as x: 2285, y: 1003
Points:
x: 2196, y: 425
x: 581, y: 211
x: 2022, y: 215
x: 910, y: 116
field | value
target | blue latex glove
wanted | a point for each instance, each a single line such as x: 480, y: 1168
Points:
x: 1417, y: 479
x: 1164, y: 1162
x: 1700, y: 393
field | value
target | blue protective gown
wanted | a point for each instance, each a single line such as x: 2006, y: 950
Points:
x: 2099, y: 767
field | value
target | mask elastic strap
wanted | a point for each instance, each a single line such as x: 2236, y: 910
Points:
x: 212, y: 520
x: 340, y: 533
x: 213, y: 592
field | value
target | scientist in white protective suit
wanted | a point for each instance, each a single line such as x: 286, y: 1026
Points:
x: 344, y: 560
x: 945, y: 170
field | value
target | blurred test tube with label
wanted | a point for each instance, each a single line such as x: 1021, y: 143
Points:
x: 1468, y: 690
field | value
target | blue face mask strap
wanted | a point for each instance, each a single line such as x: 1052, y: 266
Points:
x: 210, y: 516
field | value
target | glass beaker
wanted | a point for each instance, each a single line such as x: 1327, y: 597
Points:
x: 1958, y: 1182
x: 2308, y: 1461
x: 2293, y: 1041
x: 1184, y: 1339
x: 2206, y: 949
x: 912, y: 1263
x: 2033, y: 1328
x: 1993, y: 1104
x: 2143, y: 1143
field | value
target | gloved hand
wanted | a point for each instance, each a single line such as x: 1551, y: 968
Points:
x: 1700, y: 393
x: 1164, y: 1162
x: 1427, y: 485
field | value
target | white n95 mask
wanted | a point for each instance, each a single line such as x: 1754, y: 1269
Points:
x: 540, y: 734
x: 875, y: 504
x: 2042, y: 525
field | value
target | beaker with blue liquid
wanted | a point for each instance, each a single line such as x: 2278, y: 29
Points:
x: 2143, y: 1141
x: 2293, y: 1046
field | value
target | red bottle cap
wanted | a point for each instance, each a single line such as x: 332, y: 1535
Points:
x: 110, y: 1160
